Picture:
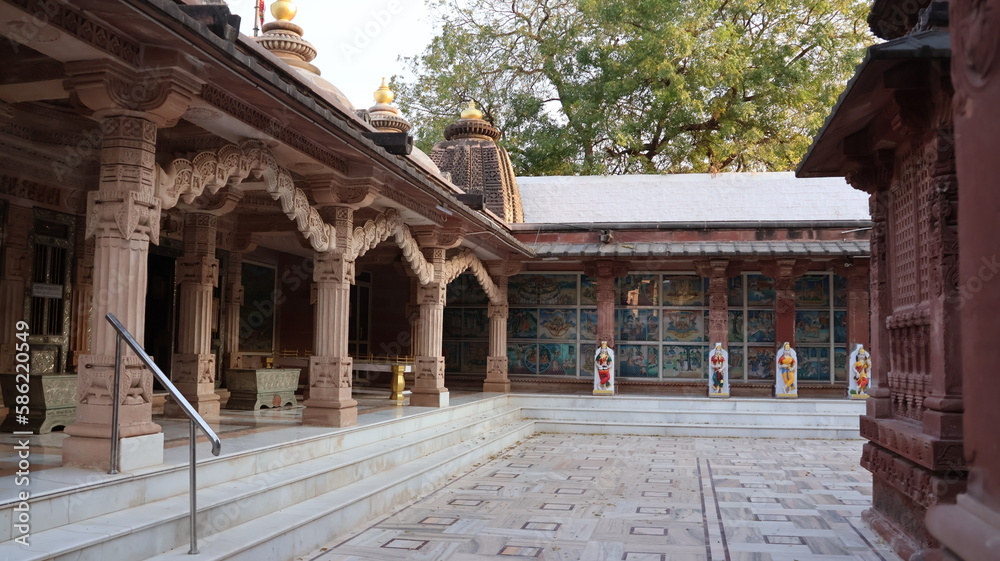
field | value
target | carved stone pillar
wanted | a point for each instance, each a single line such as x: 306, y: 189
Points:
x: 428, y: 387
x: 123, y: 217
x: 330, y: 400
x: 83, y: 296
x: 604, y: 273
x: 878, y: 405
x: 718, y: 300
x: 496, y: 362
x: 193, y: 370
x: 16, y: 264
x: 857, y: 308
x: 784, y: 302
x: 231, y: 315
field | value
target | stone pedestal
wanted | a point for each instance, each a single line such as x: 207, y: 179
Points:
x: 51, y: 402
x: 253, y: 388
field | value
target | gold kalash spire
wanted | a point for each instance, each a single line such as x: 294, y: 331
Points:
x: 284, y: 10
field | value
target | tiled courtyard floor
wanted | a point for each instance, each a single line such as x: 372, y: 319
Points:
x: 638, y: 498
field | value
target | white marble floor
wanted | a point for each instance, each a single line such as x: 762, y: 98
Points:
x: 638, y: 498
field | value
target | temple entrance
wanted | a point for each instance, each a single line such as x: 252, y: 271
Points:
x: 161, y: 309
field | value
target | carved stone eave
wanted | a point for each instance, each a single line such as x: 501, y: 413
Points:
x: 107, y: 87
x: 885, y: 100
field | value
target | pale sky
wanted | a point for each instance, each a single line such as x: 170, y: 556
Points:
x: 358, y: 42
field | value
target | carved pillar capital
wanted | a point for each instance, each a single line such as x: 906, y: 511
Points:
x: 436, y: 237
x: 160, y: 95
x: 333, y: 268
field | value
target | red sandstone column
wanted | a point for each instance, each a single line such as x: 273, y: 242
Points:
x: 231, y: 316
x: 193, y: 369
x: 857, y: 308
x: 970, y: 529
x: 718, y: 300
x: 123, y: 216
x: 330, y: 368
x: 428, y: 387
x: 16, y: 263
x: 496, y: 362
x: 879, y: 405
x: 82, y: 296
x: 604, y: 273
x: 784, y: 302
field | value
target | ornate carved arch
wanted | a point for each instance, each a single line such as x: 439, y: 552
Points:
x: 382, y: 227
x: 186, y: 180
x: 467, y: 261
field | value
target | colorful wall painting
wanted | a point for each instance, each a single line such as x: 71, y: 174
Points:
x: 639, y: 290
x: 522, y: 323
x: 684, y: 290
x: 812, y: 291
x: 760, y: 291
x: 760, y: 363
x: 812, y: 326
x: 760, y: 326
x: 685, y: 325
x: 557, y: 290
x: 588, y: 324
x: 638, y: 361
x: 684, y: 361
x: 637, y: 325
x: 555, y: 323
x: 814, y: 363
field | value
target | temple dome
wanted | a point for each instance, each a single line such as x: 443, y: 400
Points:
x: 284, y: 39
x: 478, y: 165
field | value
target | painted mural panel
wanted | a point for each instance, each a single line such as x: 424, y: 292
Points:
x: 639, y: 290
x: 684, y: 290
x: 839, y: 291
x: 760, y: 363
x: 588, y: 325
x: 760, y: 326
x: 684, y: 361
x: 522, y: 358
x: 685, y: 325
x: 638, y: 361
x: 736, y: 363
x: 586, y: 367
x: 840, y: 364
x: 812, y: 326
x: 814, y: 363
x: 735, y: 292
x: 812, y: 291
x: 588, y: 290
x: 556, y: 323
x: 475, y: 323
x: 552, y: 290
x: 561, y: 359
x: 736, y: 333
x: 452, y: 356
x: 637, y: 325
x: 522, y: 323
x: 760, y: 291
x: 839, y: 327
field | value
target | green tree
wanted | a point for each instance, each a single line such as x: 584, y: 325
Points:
x: 639, y: 86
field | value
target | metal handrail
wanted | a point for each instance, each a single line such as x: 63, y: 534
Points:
x: 193, y: 416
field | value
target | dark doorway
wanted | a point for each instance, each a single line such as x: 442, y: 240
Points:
x: 160, y: 305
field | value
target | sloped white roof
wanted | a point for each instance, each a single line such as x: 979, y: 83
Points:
x: 696, y: 197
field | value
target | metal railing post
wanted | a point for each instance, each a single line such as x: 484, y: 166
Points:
x: 194, y: 495
x: 196, y: 420
x: 115, y: 402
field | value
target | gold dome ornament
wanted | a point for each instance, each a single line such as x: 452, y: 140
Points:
x: 471, y: 112
x: 284, y: 10
x: 383, y: 94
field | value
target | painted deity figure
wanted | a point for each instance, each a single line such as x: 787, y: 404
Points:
x: 786, y: 366
x: 861, y: 370
x: 718, y: 372
x: 604, y: 370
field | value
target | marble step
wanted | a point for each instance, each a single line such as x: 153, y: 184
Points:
x: 246, y: 486
x: 67, y: 495
x: 294, y: 531
x: 704, y: 404
x: 694, y: 417
x: 695, y: 430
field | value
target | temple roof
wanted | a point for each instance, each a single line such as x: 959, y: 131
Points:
x: 771, y: 248
x: 696, y: 197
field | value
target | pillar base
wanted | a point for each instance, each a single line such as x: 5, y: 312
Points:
x: 496, y: 387
x: 317, y: 415
x: 429, y: 398
x: 135, y: 453
x: 207, y: 405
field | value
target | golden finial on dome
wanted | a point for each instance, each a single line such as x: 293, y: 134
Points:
x: 383, y: 94
x: 284, y: 10
x: 471, y: 112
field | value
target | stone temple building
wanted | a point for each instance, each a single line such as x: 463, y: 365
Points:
x: 236, y: 212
